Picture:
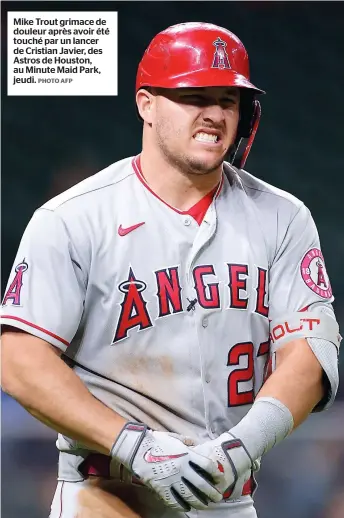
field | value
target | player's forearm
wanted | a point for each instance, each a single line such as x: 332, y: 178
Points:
x: 41, y: 382
x: 284, y: 401
x: 297, y: 381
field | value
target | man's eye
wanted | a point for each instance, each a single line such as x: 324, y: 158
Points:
x: 197, y: 98
x: 194, y: 97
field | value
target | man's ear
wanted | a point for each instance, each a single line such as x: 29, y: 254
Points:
x: 144, y: 103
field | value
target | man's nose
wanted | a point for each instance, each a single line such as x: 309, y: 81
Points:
x: 213, y: 112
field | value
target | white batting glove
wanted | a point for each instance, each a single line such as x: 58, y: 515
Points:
x: 234, y: 461
x: 179, y: 475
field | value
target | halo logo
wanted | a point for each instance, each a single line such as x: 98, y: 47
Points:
x: 314, y: 273
x: 221, y: 59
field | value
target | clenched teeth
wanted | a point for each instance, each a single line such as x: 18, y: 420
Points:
x: 205, y: 137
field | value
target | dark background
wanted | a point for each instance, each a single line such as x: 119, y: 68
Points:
x: 296, y: 53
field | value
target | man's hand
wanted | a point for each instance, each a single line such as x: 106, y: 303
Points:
x: 179, y: 475
x: 233, y: 460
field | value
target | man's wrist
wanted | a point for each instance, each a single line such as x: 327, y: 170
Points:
x: 128, y: 442
x: 266, y: 424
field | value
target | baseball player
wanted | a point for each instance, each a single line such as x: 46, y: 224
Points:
x: 170, y: 317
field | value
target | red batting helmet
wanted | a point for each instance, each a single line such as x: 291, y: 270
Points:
x: 196, y: 54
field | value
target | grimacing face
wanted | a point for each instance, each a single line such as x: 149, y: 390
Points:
x: 195, y: 127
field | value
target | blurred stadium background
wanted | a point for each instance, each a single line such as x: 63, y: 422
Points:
x: 48, y: 144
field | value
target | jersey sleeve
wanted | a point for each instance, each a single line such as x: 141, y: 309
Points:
x: 46, y: 289
x: 298, y: 277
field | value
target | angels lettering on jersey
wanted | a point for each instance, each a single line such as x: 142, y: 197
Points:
x: 169, y: 297
x: 168, y: 290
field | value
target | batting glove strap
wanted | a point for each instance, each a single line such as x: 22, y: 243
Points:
x: 128, y: 442
x: 240, y: 461
x: 235, y: 450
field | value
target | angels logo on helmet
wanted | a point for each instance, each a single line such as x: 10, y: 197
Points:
x: 221, y: 59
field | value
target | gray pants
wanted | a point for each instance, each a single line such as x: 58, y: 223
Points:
x: 67, y: 503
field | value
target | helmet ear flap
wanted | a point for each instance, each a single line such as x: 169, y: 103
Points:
x: 247, y: 129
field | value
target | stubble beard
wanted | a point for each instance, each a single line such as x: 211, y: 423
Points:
x: 186, y: 164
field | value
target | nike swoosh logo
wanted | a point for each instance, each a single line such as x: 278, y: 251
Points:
x: 149, y: 457
x: 124, y: 231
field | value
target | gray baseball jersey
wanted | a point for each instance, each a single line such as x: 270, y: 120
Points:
x: 166, y: 313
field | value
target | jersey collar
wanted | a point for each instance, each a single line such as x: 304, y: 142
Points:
x: 197, y: 211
